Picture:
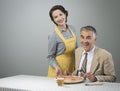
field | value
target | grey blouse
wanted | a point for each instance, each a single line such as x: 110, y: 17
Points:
x: 56, y: 45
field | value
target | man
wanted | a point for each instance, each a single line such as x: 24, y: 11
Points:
x: 99, y: 66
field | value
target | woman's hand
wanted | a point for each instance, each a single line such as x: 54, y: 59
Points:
x: 66, y: 73
x: 58, y: 71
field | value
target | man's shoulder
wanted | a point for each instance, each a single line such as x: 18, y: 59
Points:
x: 79, y: 49
x: 102, y: 52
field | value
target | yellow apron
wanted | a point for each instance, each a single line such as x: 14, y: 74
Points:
x: 66, y: 60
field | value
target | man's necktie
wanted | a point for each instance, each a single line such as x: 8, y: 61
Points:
x: 83, y: 68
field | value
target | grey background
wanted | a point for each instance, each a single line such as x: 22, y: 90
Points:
x: 25, y: 25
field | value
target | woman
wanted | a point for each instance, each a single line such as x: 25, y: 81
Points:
x: 61, y: 44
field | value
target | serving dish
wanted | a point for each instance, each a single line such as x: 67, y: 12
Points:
x: 73, y: 79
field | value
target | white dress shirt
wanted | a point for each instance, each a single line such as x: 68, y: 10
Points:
x: 89, y: 59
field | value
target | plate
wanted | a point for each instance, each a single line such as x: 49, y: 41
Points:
x: 73, y: 79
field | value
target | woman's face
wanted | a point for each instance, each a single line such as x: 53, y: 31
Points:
x: 59, y: 18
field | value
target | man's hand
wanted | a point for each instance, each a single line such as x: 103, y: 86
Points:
x: 90, y: 76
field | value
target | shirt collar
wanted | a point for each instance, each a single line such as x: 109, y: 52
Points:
x: 91, y: 52
x: 61, y: 30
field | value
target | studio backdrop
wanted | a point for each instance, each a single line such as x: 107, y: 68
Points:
x: 25, y: 26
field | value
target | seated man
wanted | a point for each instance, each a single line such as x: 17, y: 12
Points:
x: 99, y: 64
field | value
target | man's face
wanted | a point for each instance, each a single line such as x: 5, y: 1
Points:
x: 87, y: 39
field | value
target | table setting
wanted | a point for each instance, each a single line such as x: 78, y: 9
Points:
x: 44, y: 83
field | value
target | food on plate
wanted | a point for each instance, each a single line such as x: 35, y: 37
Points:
x: 73, y: 79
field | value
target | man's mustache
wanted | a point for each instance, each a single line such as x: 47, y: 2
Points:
x: 86, y: 44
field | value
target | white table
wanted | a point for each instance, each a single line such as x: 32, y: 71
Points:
x: 38, y: 83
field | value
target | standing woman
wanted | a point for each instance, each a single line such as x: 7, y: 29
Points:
x: 61, y: 44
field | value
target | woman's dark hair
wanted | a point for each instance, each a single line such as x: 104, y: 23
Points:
x: 59, y: 7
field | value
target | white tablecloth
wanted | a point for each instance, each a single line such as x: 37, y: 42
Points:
x: 39, y: 83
